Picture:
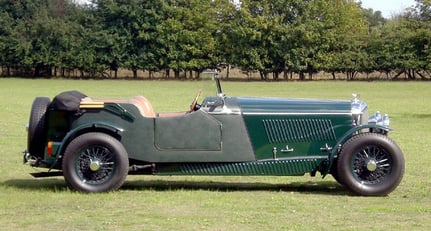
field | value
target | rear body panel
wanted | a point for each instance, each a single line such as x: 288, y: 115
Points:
x: 192, y: 137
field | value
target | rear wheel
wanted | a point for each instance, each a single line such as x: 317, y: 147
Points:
x: 36, y: 127
x: 95, y: 162
x: 370, y: 164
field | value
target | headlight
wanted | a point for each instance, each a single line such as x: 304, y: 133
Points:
x: 359, y: 111
x: 378, y: 119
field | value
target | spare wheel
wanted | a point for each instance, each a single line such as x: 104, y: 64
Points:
x: 36, y: 127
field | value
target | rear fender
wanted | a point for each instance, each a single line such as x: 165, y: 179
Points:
x: 84, y: 128
x: 345, y: 137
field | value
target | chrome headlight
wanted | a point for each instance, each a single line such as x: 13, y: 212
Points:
x: 359, y: 111
x: 378, y: 119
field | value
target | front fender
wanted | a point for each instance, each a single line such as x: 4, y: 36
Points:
x: 344, y: 138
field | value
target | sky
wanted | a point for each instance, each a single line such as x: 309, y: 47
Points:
x: 388, y: 7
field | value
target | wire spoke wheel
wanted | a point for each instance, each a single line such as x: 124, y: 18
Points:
x: 95, y: 165
x: 95, y: 162
x: 370, y: 164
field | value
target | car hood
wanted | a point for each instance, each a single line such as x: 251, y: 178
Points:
x: 251, y: 105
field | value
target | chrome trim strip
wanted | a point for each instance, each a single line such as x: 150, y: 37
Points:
x: 224, y: 113
x: 295, y: 158
x: 296, y: 113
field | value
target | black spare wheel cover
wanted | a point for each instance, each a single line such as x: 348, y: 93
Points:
x: 67, y: 101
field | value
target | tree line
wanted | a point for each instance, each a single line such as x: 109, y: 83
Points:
x: 181, y: 38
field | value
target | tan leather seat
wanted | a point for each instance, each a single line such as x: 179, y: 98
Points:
x: 144, y: 106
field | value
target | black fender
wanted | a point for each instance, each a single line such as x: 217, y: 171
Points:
x: 344, y: 138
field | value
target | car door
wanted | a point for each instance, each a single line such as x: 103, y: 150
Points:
x: 195, y: 131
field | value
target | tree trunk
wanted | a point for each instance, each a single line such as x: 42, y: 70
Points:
x: 351, y: 75
x: 301, y: 76
x: 167, y: 73
x: 411, y: 74
x: 275, y: 75
x: 263, y: 75
x: 135, y: 73
x: 228, y: 71
x: 421, y: 75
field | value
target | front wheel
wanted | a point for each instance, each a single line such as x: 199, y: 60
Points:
x: 95, y: 162
x: 370, y: 164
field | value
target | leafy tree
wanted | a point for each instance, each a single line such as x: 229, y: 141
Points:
x: 249, y: 35
x: 344, y: 31
x: 41, y: 37
x: 188, y: 33
x: 374, y: 18
x: 226, y: 21
x: 121, y: 22
x: 421, y: 12
x: 8, y: 43
x: 299, y: 36
x: 36, y: 34
x: 392, y: 48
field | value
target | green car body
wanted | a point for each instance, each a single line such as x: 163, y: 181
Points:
x: 98, y: 142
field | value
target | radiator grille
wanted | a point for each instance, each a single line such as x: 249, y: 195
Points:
x: 298, y: 130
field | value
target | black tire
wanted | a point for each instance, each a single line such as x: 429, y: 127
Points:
x: 95, y: 162
x: 37, y: 133
x: 334, y: 171
x: 370, y: 164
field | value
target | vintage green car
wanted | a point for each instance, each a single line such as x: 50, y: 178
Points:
x: 96, y: 143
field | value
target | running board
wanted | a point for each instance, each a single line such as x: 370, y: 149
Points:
x: 46, y: 174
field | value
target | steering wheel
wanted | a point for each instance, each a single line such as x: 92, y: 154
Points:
x: 193, y: 105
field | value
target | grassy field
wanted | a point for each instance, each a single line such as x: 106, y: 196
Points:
x: 217, y: 203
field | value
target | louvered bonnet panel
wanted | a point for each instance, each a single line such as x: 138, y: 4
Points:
x: 298, y: 130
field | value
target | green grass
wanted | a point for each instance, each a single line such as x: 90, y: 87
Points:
x: 217, y: 203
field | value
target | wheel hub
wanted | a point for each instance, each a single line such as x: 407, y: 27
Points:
x: 94, y: 165
x: 371, y: 165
